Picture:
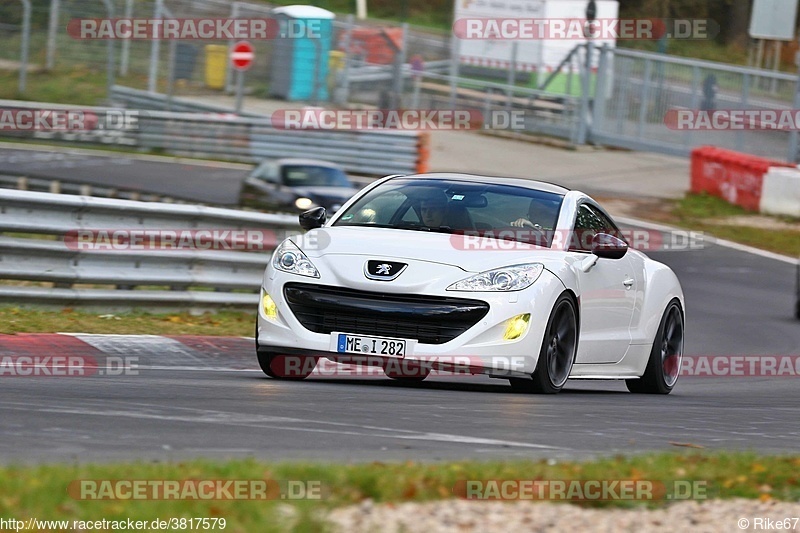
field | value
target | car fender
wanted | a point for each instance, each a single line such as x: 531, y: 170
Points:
x: 564, y: 270
x: 661, y: 286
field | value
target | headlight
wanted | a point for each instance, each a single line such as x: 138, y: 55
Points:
x: 289, y: 258
x: 510, y: 278
x: 303, y: 203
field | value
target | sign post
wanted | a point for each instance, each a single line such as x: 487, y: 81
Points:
x: 241, y: 59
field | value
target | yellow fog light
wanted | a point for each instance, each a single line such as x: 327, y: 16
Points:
x: 268, y: 304
x: 517, y: 327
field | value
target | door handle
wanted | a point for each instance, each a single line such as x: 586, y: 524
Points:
x: 628, y: 283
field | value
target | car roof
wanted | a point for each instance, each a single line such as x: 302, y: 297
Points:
x: 477, y: 178
x: 301, y: 161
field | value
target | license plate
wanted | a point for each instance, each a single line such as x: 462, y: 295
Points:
x: 385, y: 347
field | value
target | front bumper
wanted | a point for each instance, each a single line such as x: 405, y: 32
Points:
x: 481, y: 347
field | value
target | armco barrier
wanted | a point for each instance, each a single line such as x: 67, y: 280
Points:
x: 735, y: 177
x: 57, y: 271
x: 239, y: 138
x: 780, y: 194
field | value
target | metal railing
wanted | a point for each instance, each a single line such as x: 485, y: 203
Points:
x: 244, y: 139
x: 543, y: 112
x: 59, y: 186
x: 635, y: 90
x: 44, y: 260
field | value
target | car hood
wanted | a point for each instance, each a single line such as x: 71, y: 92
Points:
x: 465, y: 253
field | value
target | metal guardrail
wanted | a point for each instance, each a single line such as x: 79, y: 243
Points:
x: 245, y: 139
x: 373, y: 73
x: 186, y: 277
x: 138, y: 99
x: 544, y: 112
x: 59, y: 186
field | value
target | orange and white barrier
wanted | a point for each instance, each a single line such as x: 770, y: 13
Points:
x: 752, y: 182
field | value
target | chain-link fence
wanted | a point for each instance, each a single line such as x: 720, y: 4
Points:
x: 632, y: 94
x: 640, y: 94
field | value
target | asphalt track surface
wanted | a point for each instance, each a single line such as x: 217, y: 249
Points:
x: 200, y: 397
x: 200, y: 181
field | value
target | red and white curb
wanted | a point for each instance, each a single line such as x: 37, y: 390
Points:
x: 35, y: 353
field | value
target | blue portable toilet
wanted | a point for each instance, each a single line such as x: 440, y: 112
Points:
x: 300, y: 53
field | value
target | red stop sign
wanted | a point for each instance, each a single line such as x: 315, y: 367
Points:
x: 242, y: 55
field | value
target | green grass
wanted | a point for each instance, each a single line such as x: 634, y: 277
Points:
x: 222, y: 323
x: 81, y: 86
x: 702, y: 212
x: 42, y: 491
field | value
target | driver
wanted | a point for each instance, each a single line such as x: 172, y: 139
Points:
x: 535, y: 212
x: 433, y: 209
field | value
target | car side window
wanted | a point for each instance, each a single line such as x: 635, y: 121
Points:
x: 266, y: 171
x: 587, y: 225
x: 608, y: 226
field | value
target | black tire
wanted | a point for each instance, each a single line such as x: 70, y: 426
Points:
x: 664, y: 364
x: 557, y: 354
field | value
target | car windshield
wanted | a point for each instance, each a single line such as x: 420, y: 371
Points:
x: 314, y: 175
x: 451, y: 206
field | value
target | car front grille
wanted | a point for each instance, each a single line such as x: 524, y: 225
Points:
x: 429, y: 319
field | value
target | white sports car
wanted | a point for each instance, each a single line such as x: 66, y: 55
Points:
x: 512, y: 278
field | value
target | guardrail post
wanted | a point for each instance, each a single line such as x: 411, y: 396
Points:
x: 171, y: 74
x: 52, y: 31
x: 644, y: 97
x: 26, y: 38
x: 583, y: 118
x: 231, y: 42
x: 417, y: 88
x: 689, y: 135
x: 512, y: 75
x: 600, y: 91
x: 344, y: 86
x: 745, y: 97
x: 455, y: 59
x: 126, y: 44
x: 110, y: 59
x: 399, y: 62
x: 155, y: 49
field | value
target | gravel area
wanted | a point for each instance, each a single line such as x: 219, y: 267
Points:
x: 464, y: 516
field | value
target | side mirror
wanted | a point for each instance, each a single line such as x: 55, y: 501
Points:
x: 313, y: 218
x: 608, y: 247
